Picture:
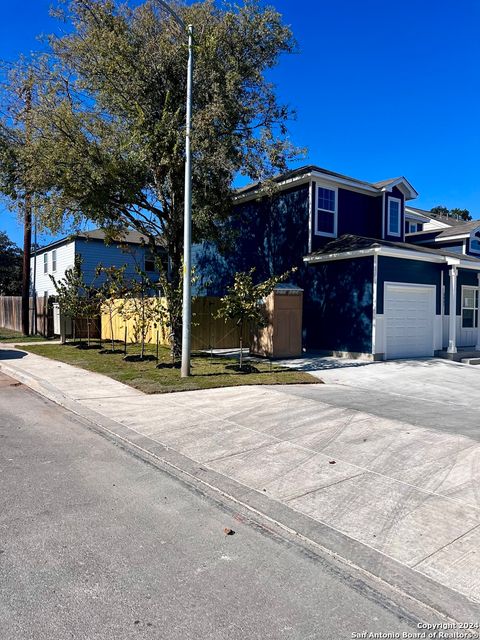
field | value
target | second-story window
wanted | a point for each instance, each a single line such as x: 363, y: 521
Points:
x: 45, y: 263
x: 394, y: 216
x: 326, y: 215
x: 149, y: 261
x: 54, y: 260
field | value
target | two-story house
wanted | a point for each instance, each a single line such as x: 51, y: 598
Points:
x: 368, y: 290
x: 130, y: 249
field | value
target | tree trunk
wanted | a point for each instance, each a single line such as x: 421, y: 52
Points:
x: 241, y: 345
x: 88, y: 332
x: 142, y: 330
x: 111, y: 330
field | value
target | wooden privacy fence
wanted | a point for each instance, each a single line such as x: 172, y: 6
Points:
x: 208, y: 332
x: 11, y: 315
x: 11, y: 312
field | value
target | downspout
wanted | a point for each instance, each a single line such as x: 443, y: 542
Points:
x: 442, y: 303
x: 374, y: 302
x: 310, y: 216
x: 383, y: 215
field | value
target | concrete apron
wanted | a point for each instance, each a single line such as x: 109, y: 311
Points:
x: 398, y: 501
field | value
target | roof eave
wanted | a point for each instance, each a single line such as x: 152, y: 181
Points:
x: 409, y: 192
x: 394, y: 252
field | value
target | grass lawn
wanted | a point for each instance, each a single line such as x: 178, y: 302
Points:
x: 207, y: 371
x: 7, y: 335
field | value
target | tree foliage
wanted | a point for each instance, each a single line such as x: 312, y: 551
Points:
x: 10, y: 267
x: 244, y: 301
x: 108, y: 117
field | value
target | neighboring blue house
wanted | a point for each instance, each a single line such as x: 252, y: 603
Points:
x: 129, y: 249
x: 378, y: 275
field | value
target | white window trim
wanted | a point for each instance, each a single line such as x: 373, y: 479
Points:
x: 475, y: 324
x: 45, y: 263
x: 324, y: 234
x: 54, y: 260
x: 392, y: 233
x: 411, y: 224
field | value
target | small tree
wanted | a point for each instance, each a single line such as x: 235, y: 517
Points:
x: 141, y: 308
x: 77, y: 299
x: 111, y: 291
x: 244, y: 301
x: 68, y: 291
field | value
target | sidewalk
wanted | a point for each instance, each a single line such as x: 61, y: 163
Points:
x: 399, y: 501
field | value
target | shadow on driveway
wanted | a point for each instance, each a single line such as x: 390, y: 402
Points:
x: 12, y: 354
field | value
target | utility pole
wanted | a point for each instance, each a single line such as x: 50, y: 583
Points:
x: 27, y: 224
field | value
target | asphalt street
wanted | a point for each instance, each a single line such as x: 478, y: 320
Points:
x: 97, y: 544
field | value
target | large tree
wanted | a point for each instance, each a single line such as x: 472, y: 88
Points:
x: 108, y: 116
x: 10, y: 267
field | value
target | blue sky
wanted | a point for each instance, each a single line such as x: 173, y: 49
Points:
x: 381, y: 89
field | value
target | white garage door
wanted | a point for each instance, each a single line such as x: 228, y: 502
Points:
x: 409, y: 320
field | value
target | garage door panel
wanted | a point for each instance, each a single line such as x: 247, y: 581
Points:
x: 409, y: 320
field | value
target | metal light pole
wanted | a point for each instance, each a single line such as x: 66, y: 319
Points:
x: 187, y: 222
x: 187, y: 233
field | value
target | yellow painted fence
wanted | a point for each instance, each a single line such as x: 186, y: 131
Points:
x: 208, y: 331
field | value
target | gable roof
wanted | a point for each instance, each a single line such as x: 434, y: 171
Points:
x: 461, y: 230
x: 123, y: 237
x: 302, y: 174
x: 447, y: 220
x: 400, y: 182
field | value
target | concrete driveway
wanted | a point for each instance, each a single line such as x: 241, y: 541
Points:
x: 433, y: 393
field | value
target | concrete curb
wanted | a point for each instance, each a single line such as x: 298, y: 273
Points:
x: 419, y: 593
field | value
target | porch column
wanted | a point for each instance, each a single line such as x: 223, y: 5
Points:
x: 452, y: 320
x: 477, y: 346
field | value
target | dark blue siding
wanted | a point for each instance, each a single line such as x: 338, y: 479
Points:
x: 411, y: 271
x: 270, y: 235
x: 456, y: 247
x: 427, y: 239
x: 338, y: 307
x: 358, y: 214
